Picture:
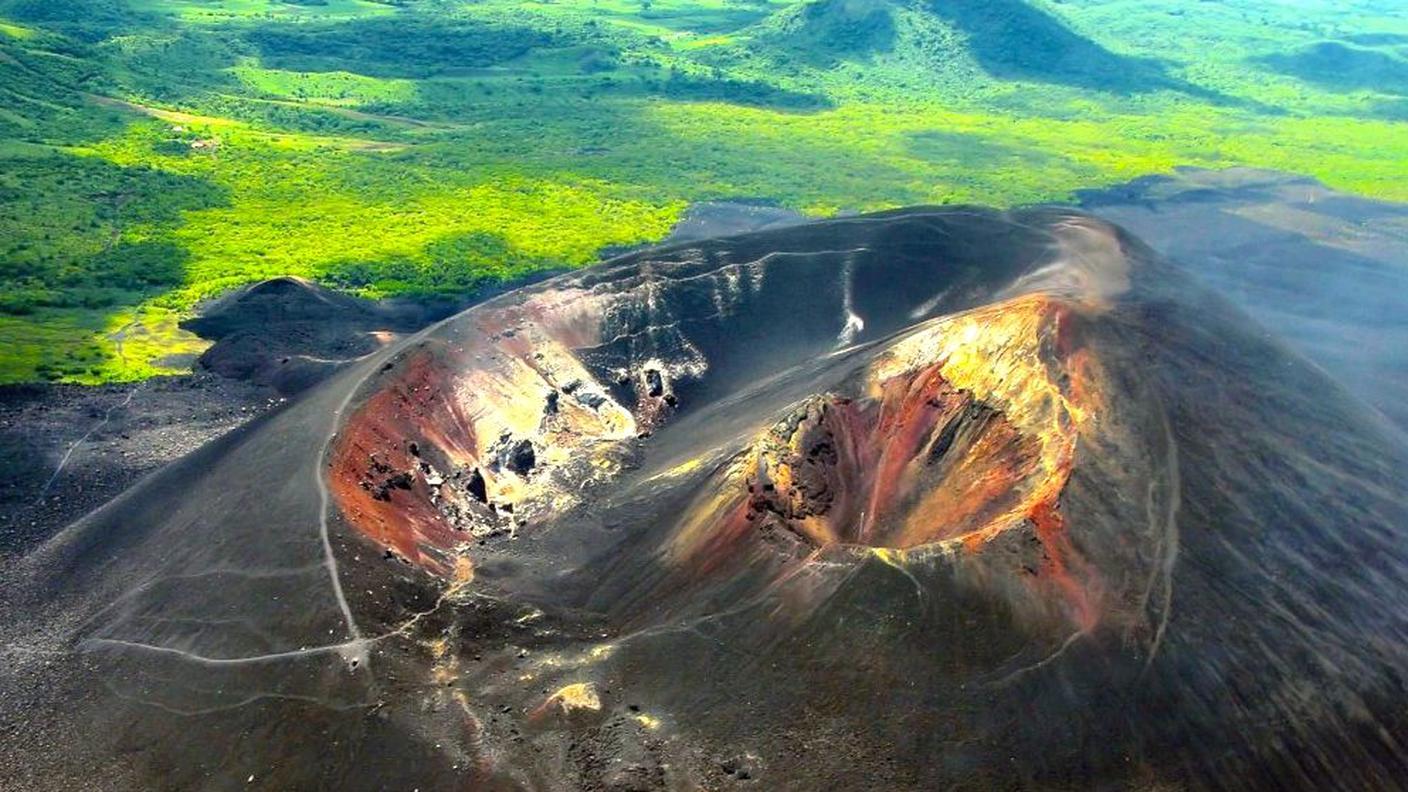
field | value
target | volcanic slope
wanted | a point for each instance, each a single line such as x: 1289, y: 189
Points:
x: 927, y: 497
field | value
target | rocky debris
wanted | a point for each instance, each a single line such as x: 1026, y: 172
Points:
x: 517, y: 456
x: 432, y: 477
x: 382, y: 490
x: 657, y: 387
x: 802, y: 450
x: 477, y: 487
x: 655, y: 399
x: 463, y: 499
x: 655, y: 383
x: 112, y: 434
x: 620, y: 753
x: 743, y: 767
x: 587, y: 398
x: 376, y: 466
x: 382, y: 479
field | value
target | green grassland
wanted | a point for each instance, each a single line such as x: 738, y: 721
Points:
x: 154, y: 153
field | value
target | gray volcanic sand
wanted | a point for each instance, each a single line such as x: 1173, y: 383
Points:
x: 1209, y: 593
x: 68, y: 449
x: 187, y: 636
x: 1324, y: 271
x: 722, y: 218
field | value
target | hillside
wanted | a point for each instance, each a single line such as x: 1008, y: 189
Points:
x: 1053, y: 516
x: 154, y: 153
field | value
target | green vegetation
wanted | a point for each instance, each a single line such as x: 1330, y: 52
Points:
x: 156, y: 152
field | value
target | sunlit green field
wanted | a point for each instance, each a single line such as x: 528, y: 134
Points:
x: 154, y: 153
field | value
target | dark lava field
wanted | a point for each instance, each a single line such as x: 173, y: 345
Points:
x: 930, y: 498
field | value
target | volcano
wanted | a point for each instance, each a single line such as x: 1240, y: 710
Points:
x: 932, y: 497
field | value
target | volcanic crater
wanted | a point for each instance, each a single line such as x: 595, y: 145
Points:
x: 883, y: 500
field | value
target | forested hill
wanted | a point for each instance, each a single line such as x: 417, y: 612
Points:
x: 157, y: 152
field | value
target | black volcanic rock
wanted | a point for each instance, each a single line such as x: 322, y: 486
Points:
x: 950, y: 497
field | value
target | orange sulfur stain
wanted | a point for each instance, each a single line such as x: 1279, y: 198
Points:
x: 967, y: 428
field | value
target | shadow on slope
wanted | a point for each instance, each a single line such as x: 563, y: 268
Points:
x: 402, y: 46
x: 1334, y: 64
x: 1013, y: 40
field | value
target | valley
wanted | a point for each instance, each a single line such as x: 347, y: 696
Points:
x: 157, y: 153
